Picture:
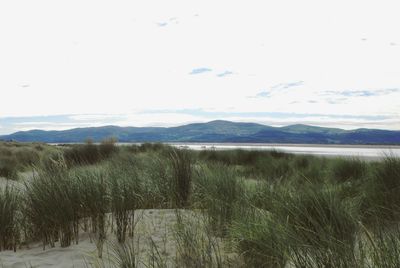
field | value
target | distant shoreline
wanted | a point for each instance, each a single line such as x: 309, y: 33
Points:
x: 383, y: 146
x: 252, y: 144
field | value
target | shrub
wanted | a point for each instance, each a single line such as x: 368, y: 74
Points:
x: 107, y: 147
x: 90, y: 153
x: 85, y: 154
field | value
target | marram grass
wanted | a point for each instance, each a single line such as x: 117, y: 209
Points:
x: 272, y: 209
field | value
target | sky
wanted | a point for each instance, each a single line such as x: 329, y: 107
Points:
x: 66, y: 64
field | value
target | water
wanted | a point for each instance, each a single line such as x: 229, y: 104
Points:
x: 361, y: 151
x: 367, y: 152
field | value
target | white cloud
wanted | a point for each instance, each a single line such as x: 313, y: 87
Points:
x: 101, y: 57
x: 94, y: 117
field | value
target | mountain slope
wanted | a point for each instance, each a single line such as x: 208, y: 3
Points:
x: 215, y: 131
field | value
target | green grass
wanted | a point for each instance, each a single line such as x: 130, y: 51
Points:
x: 269, y: 209
x: 181, y: 166
x: 261, y: 240
x: 157, y: 185
x: 89, y: 153
x: 196, y: 246
x: 321, y: 227
x: 382, y: 194
x: 125, y: 194
x: 10, y: 218
x: 125, y: 255
x: 53, y: 205
x: 385, y: 247
x: 348, y: 169
x: 8, y: 166
x: 94, y: 200
x: 219, y: 192
x: 20, y: 157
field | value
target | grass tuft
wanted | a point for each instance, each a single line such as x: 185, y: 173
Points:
x: 181, y: 165
x: 9, y: 217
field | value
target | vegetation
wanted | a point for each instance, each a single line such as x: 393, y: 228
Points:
x: 9, y: 218
x: 382, y: 198
x: 219, y: 192
x: 348, y: 169
x: 196, y: 246
x: 89, y: 153
x: 233, y: 208
x: 260, y: 239
x: 125, y: 190
x: 19, y: 157
x: 52, y: 205
x: 181, y: 164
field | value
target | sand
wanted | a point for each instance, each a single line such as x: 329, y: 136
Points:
x: 154, y: 226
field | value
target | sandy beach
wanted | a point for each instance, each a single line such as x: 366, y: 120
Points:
x: 154, y: 228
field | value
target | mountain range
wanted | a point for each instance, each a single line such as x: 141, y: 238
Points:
x: 215, y: 131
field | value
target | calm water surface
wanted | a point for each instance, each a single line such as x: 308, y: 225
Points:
x: 362, y: 151
x: 368, y: 152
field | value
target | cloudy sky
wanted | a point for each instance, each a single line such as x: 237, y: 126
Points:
x: 77, y: 63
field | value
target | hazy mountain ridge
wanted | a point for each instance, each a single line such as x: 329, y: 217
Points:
x: 215, y: 131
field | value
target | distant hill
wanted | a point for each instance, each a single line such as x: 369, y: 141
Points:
x: 214, y: 131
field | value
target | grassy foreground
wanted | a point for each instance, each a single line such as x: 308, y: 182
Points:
x: 248, y: 208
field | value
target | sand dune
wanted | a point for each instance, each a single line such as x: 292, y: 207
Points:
x: 154, y: 226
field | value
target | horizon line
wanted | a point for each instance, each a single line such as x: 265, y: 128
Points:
x: 191, y: 123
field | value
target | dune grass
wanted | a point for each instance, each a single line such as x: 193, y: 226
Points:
x: 125, y: 194
x: 219, y: 192
x: 157, y: 186
x: 381, y: 202
x: 10, y: 226
x: 348, y: 169
x: 196, y: 246
x: 261, y: 240
x: 8, y: 166
x: 89, y: 153
x: 321, y: 228
x: 272, y: 209
x: 19, y: 157
x: 53, y: 205
x: 385, y: 247
x: 181, y: 166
